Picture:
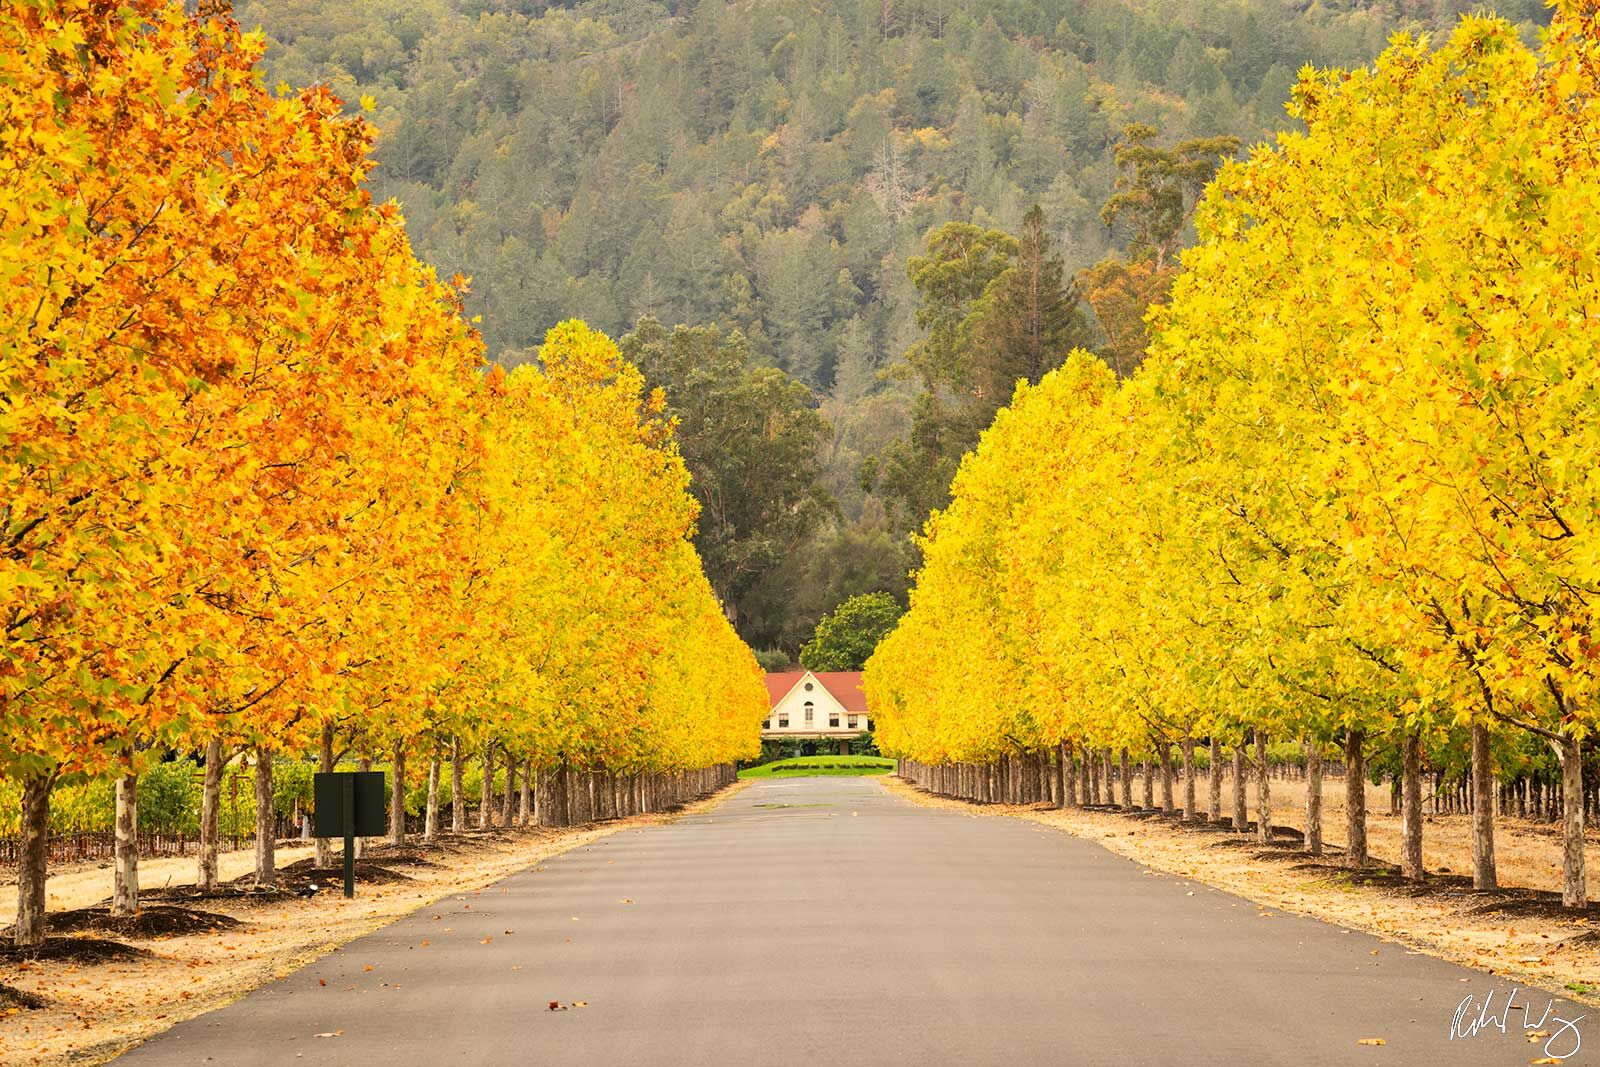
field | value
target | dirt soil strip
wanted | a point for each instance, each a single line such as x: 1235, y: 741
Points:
x: 1513, y: 934
x: 95, y: 1011
x: 80, y: 885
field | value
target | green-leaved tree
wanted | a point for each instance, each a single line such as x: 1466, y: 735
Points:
x: 752, y: 439
x: 848, y: 635
x: 997, y: 310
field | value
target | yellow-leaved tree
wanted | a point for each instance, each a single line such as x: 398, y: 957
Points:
x: 260, y: 496
x: 1347, y: 499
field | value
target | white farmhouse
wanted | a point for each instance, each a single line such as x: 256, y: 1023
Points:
x: 825, y: 705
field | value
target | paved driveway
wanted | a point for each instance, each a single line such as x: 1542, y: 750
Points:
x: 823, y: 921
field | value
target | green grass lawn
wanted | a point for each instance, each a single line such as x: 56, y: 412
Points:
x: 804, y: 765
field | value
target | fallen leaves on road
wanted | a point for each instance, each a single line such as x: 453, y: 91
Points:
x: 1372, y: 1041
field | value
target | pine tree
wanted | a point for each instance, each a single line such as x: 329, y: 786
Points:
x: 1029, y: 318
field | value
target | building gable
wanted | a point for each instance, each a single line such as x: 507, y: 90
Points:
x: 830, y: 692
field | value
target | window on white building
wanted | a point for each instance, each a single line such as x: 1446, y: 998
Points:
x: 833, y: 718
x: 783, y: 722
x: 809, y: 710
x: 852, y: 722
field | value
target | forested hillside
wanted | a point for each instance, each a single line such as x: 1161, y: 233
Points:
x: 772, y: 168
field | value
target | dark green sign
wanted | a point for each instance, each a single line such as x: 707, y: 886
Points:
x: 349, y: 804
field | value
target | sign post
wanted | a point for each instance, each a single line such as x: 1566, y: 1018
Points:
x: 347, y: 792
x: 349, y: 804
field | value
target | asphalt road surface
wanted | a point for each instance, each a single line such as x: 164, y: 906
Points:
x: 824, y: 921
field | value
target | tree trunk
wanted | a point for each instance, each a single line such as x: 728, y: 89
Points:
x: 1263, y: 791
x: 511, y: 788
x: 1188, y: 778
x: 1127, y: 782
x: 525, y: 810
x: 1241, y: 813
x: 1483, y: 870
x: 1148, y: 788
x: 1214, y: 779
x: 1355, y: 799
x: 210, y: 802
x: 33, y: 864
x: 1313, y: 798
x: 125, y: 876
x: 324, y: 845
x: 546, y: 797
x: 458, y: 802
x: 567, y: 791
x: 486, y: 790
x: 266, y: 821
x: 430, y: 818
x: 1411, y: 805
x: 1066, y: 780
x: 1164, y: 755
x: 364, y: 764
x: 1109, y: 777
x: 397, y: 797
x: 1574, y: 888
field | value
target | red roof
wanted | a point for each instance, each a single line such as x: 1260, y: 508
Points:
x: 843, y: 686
